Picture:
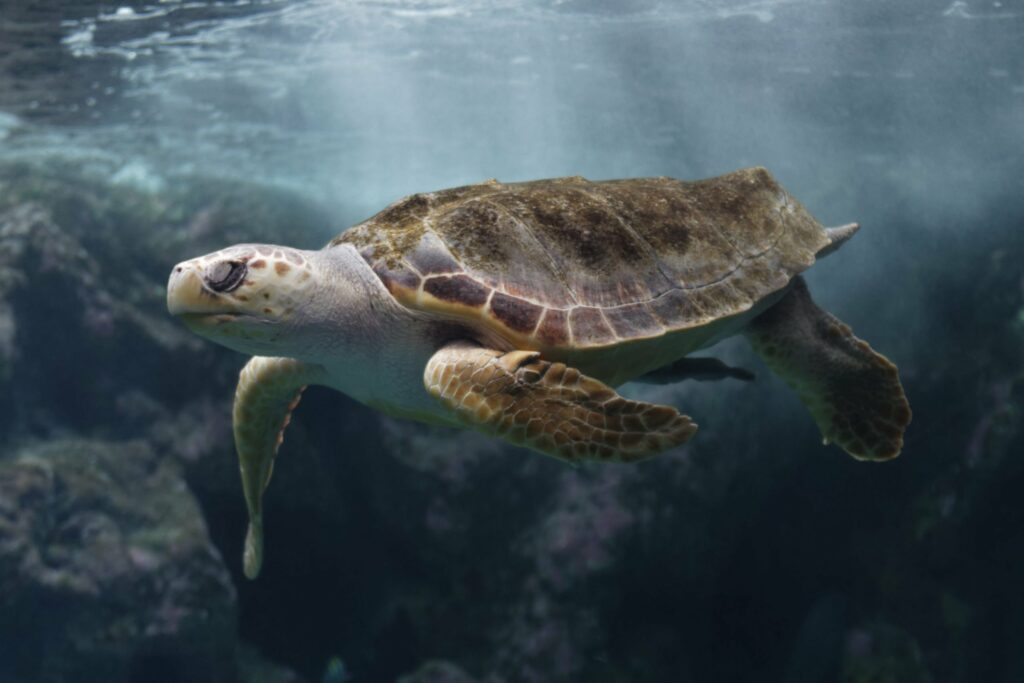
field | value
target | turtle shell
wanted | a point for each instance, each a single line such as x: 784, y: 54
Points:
x: 570, y: 263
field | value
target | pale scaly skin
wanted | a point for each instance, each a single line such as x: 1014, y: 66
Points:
x: 268, y: 390
x: 549, y: 407
x: 853, y: 392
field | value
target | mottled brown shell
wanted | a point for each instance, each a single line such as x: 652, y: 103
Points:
x: 570, y: 263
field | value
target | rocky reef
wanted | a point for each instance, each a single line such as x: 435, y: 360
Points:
x: 429, y: 556
x: 106, y: 568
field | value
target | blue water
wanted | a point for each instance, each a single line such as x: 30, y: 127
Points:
x: 145, y: 133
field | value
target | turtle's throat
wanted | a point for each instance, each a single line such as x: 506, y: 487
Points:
x: 373, y: 347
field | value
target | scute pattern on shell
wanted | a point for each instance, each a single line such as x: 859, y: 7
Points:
x: 572, y: 263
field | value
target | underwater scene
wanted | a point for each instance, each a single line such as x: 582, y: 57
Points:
x: 556, y: 428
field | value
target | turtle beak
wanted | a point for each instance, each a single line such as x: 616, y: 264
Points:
x: 184, y: 289
x: 188, y: 296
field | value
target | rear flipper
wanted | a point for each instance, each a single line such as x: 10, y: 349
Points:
x: 853, y: 393
x: 700, y: 369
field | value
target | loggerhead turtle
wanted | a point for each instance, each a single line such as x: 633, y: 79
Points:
x: 514, y: 308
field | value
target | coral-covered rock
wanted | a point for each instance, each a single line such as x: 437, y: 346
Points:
x: 106, y: 570
x: 438, y: 671
x: 254, y: 668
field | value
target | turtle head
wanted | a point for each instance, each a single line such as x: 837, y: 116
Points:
x: 251, y: 298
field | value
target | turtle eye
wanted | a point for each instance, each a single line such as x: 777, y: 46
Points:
x: 225, y: 276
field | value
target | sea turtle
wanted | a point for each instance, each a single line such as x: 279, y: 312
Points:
x: 515, y: 308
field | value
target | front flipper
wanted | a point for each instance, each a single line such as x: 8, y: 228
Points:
x: 700, y: 369
x: 549, y: 407
x: 268, y: 390
x: 853, y: 393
